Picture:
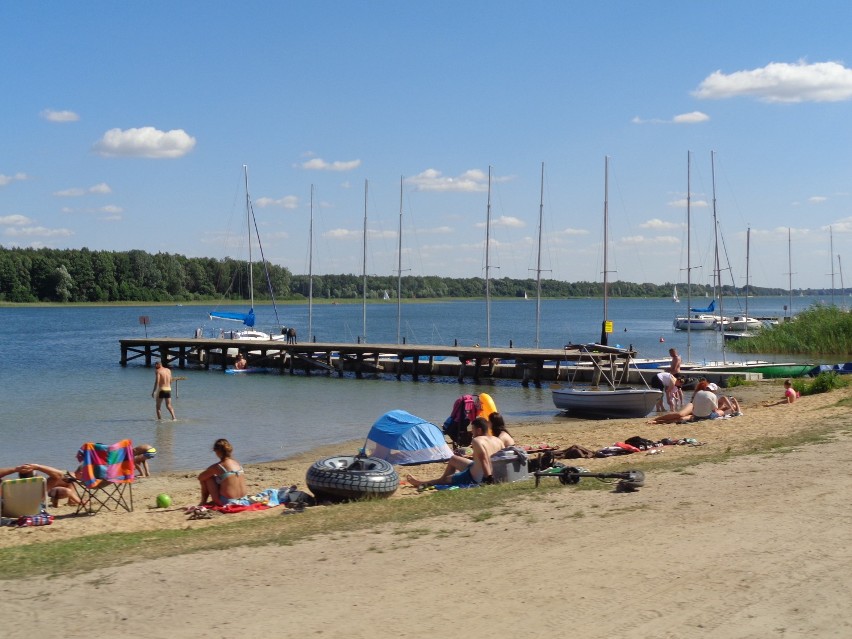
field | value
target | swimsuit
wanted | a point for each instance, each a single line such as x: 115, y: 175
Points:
x: 165, y: 393
x: 225, y: 474
x: 150, y: 453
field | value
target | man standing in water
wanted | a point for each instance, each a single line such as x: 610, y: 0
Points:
x: 163, y: 389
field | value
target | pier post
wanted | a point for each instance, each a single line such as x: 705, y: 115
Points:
x: 415, y: 365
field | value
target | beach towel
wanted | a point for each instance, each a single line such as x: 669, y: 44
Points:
x: 101, y: 463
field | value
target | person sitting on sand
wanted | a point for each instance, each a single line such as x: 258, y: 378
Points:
x: 705, y: 404
x: 222, y: 483
x: 790, y: 395
x: 57, y: 487
x: 141, y: 454
x: 728, y: 403
x: 461, y: 471
x: 498, y: 429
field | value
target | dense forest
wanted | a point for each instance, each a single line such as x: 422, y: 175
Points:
x: 79, y: 275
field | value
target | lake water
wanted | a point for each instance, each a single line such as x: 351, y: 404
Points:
x: 62, y: 384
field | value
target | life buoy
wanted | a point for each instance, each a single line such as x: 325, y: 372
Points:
x: 345, y: 477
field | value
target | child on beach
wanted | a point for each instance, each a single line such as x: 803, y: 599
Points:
x: 790, y: 395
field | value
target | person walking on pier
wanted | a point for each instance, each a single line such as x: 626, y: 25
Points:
x: 163, y: 389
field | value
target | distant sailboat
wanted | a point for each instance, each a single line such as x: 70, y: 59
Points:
x: 675, y: 298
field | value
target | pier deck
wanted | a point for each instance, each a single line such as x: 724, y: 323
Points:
x: 527, y: 365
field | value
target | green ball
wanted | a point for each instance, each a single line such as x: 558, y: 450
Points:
x: 163, y: 500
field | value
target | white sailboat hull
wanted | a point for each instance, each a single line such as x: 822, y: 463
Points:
x: 618, y: 403
x: 697, y: 323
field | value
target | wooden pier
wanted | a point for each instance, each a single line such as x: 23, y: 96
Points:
x: 530, y: 366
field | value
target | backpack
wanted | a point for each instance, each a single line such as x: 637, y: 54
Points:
x: 464, y: 412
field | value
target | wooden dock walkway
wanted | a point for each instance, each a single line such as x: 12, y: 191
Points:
x: 530, y: 366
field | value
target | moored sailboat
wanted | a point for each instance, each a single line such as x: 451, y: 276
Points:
x: 613, y: 399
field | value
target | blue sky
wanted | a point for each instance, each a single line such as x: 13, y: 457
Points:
x: 127, y: 125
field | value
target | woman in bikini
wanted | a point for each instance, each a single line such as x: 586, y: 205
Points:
x: 224, y: 482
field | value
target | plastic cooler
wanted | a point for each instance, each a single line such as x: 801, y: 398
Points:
x: 509, y: 466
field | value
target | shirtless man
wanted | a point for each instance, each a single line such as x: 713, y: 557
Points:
x: 57, y: 487
x: 163, y: 389
x: 674, y: 367
x: 461, y: 471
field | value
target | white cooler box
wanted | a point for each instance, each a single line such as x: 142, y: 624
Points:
x: 510, y: 465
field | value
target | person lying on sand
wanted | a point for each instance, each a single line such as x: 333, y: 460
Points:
x: 461, y: 471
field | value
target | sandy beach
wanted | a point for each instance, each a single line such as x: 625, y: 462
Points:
x: 757, y: 546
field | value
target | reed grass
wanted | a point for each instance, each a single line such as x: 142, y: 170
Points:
x: 819, y: 330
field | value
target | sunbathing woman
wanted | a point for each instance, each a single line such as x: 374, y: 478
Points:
x: 224, y: 482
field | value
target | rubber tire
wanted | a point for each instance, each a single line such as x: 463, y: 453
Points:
x: 331, y: 478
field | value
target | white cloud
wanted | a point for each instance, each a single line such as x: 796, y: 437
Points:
x: 145, y: 142
x: 656, y: 223
x: 346, y: 234
x: 505, y: 221
x: 74, y: 192
x: 111, y: 208
x: 684, y: 118
x: 38, y: 231
x: 782, y: 82
x: 690, y: 118
x: 8, y: 179
x: 817, y: 199
x: 14, y: 220
x: 59, y: 116
x: 681, y: 203
x: 286, y: 202
x: 472, y: 181
x: 641, y: 240
x: 341, y: 234
x: 572, y: 232
x: 318, y: 164
x: 102, y: 188
x: 841, y: 226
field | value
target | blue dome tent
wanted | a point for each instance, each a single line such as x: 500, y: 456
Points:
x: 405, y: 440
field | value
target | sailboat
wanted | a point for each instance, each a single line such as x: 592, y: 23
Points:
x: 742, y: 324
x: 704, y: 318
x: 248, y: 318
x: 675, y: 298
x: 611, y: 400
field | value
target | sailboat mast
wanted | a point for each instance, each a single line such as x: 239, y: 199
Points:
x: 364, y: 270
x: 311, y: 269
x: 538, y: 263
x: 605, y: 256
x: 399, y: 269
x: 488, y: 265
x: 717, y: 266
x: 248, y: 226
x: 688, y: 255
x: 789, y: 272
x: 747, y: 287
x: 831, y: 255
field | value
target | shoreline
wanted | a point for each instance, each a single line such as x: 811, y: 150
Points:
x: 182, y: 486
x: 753, y: 542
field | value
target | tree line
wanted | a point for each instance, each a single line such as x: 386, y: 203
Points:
x: 80, y: 275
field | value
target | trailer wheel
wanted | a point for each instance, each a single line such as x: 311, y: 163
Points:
x: 569, y: 476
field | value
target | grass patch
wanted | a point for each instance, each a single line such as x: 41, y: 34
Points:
x: 80, y: 554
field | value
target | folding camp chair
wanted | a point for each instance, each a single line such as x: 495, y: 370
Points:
x: 105, y: 474
x: 23, y: 497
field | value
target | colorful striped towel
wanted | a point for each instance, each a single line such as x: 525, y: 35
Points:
x: 110, y: 464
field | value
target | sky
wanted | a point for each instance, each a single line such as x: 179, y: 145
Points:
x: 128, y: 126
